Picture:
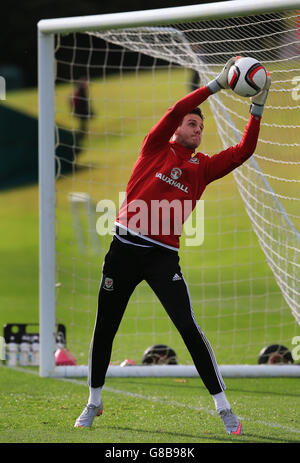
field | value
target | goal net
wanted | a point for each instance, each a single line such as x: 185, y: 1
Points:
x: 111, y: 87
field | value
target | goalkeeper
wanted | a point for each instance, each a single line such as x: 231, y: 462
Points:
x: 171, y: 171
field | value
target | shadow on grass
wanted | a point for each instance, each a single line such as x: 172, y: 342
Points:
x: 244, y: 439
x: 175, y: 383
x: 177, y: 435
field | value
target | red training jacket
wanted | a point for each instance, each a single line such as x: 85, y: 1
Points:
x: 167, y: 180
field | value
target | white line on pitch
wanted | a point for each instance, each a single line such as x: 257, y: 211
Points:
x: 161, y: 400
x: 183, y: 405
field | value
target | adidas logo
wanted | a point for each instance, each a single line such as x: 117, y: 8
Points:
x: 176, y: 277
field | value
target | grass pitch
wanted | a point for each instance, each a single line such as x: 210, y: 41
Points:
x: 145, y: 410
x: 235, y: 297
x: 235, y: 300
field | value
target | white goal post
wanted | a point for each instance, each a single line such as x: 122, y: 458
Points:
x: 114, y: 28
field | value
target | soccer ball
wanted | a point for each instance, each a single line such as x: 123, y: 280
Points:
x: 275, y: 354
x: 247, y: 77
x: 159, y: 354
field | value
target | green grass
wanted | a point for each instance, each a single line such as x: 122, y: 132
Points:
x: 145, y: 410
x: 236, y: 300
x: 227, y: 275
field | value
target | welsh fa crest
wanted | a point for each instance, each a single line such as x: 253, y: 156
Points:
x: 176, y: 173
x: 108, y: 284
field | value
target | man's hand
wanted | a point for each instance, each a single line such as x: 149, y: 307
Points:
x: 221, y: 81
x: 258, y: 101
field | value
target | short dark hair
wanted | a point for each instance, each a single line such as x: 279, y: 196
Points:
x: 195, y: 111
x: 198, y: 112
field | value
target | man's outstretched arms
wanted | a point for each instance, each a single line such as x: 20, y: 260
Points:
x: 221, y: 164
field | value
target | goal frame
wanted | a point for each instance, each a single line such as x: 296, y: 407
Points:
x: 47, y: 28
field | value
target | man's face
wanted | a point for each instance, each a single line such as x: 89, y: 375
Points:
x: 189, y: 133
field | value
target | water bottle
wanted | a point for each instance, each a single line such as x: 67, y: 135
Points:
x: 12, y: 352
x: 24, y: 351
x: 35, y: 351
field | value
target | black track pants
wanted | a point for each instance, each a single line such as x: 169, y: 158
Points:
x: 125, y: 266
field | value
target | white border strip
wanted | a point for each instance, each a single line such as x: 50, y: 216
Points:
x: 186, y: 371
x: 47, y: 253
x: 165, y: 15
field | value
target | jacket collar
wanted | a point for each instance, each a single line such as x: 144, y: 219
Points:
x: 181, y: 151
